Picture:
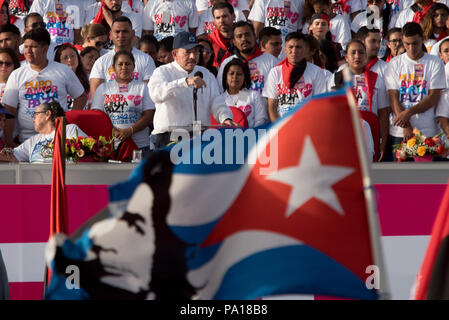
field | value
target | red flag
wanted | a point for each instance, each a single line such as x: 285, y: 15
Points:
x: 58, y: 202
x: 432, y: 280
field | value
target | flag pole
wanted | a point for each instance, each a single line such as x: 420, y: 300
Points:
x: 58, y: 202
x: 368, y: 190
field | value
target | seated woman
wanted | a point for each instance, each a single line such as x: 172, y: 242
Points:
x: 44, y: 123
x: 127, y: 102
x: 236, y: 83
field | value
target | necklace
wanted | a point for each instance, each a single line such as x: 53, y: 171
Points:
x: 234, y: 98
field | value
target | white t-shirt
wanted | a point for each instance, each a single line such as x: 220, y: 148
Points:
x: 136, y: 19
x: 405, y: 16
x: 283, y: 15
x: 250, y: 102
x: 443, y: 110
x: 360, y: 87
x: 102, y: 68
x: 258, y: 68
x: 50, y: 51
x: 30, y: 150
x: 173, y: 98
x: 125, y: 104
x: 312, y: 83
x: 340, y: 30
x: 352, y: 5
x: 26, y: 89
x: 61, y: 18
x: 413, y: 80
x: 168, y: 18
x: 206, y: 22
x: 241, y: 5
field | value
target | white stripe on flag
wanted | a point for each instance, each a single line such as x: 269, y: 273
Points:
x: 25, y: 262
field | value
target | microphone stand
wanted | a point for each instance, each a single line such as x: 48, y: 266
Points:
x: 196, y: 124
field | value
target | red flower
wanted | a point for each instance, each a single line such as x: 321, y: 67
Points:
x: 429, y: 142
x: 440, y: 149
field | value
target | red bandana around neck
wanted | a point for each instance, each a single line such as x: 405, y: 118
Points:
x: 220, y: 47
x: 419, y: 15
x: 99, y: 16
x: 287, y: 69
x: 389, y: 58
x: 371, y: 63
x: 370, y: 78
x: 256, y: 54
x: 442, y: 35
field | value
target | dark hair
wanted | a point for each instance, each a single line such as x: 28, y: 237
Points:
x: 241, y: 24
x: 209, y: 65
x: 295, y: 35
x: 93, y: 30
x: 325, y: 2
x: 245, y: 69
x: 13, y: 56
x: 31, y: 15
x: 427, y: 22
x: 411, y: 29
x: 328, y: 35
x: 267, y: 32
x: 314, y: 45
x: 55, y: 109
x: 328, y: 49
x: 122, y: 19
x: 166, y: 44
x: 439, y: 49
x: 80, y: 73
x: 40, y: 35
x: 87, y: 50
x: 364, y: 32
x: 123, y: 53
x: 6, y: 4
x: 387, y: 37
x: 10, y: 28
x: 149, y: 39
x: 352, y: 41
x: 223, y: 5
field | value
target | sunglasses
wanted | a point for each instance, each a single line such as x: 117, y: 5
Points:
x: 36, y: 25
x: 6, y: 63
x: 99, y: 44
x: 37, y: 112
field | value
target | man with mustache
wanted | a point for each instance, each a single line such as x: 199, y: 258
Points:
x: 246, y: 48
x: 171, y: 88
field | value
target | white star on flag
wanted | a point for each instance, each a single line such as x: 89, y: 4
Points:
x: 310, y: 179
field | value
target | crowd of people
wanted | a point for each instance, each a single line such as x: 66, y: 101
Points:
x: 142, y: 62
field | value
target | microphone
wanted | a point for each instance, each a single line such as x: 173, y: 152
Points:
x: 195, y: 96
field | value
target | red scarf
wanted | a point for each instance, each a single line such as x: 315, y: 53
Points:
x: 344, y: 7
x: 419, y: 15
x: 79, y: 47
x: 442, y: 35
x: 220, y: 47
x: 130, y: 2
x: 371, y: 63
x: 287, y: 69
x: 389, y: 58
x: 99, y: 16
x: 256, y: 54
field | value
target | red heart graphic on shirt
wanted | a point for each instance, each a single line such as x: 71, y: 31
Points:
x: 131, y: 97
x: 365, y: 89
x: 181, y: 20
x: 137, y: 100
x: 294, y: 17
x: 246, y: 109
x: 307, y: 90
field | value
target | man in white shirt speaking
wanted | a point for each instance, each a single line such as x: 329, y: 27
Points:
x: 171, y: 88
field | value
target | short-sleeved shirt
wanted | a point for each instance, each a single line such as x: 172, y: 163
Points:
x: 283, y: 15
x: 250, y: 103
x: 311, y: 83
x: 168, y: 18
x: 30, y: 150
x: 26, y: 89
x: 102, y: 68
x: 414, y: 80
x: 124, y: 104
x: 61, y: 18
x: 206, y: 22
x: 241, y: 5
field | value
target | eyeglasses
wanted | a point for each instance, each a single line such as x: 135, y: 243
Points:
x: 99, y: 44
x: 37, y: 112
x: 205, y: 50
x: 36, y: 25
x: 6, y: 63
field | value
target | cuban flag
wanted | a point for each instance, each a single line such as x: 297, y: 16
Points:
x: 195, y: 221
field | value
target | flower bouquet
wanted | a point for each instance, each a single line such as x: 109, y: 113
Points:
x: 84, y: 149
x: 420, y: 147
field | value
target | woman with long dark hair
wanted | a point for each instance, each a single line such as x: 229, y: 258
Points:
x: 434, y: 25
x: 207, y: 56
x: 67, y: 54
x: 394, y: 43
